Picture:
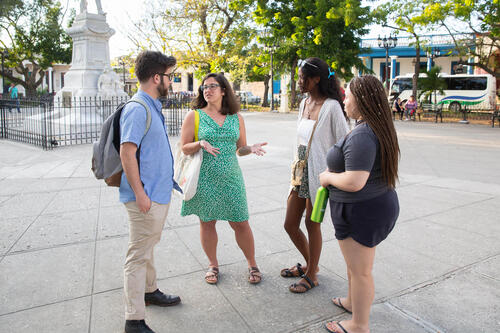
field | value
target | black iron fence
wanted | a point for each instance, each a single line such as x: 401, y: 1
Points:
x: 47, y: 122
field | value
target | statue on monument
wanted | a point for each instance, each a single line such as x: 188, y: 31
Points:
x: 84, y: 3
x: 109, y: 85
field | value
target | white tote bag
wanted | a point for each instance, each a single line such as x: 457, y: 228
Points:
x: 187, y: 171
x: 187, y: 167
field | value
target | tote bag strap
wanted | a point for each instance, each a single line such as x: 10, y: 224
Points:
x: 196, y: 124
x: 310, y: 139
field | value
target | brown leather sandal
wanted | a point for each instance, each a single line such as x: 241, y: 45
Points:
x: 295, y: 271
x: 294, y: 287
x: 212, y: 275
x: 253, y: 272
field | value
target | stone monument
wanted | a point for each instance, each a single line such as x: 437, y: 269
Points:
x: 91, y: 87
x: 90, y: 59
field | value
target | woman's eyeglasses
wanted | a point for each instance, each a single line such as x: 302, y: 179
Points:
x: 302, y: 63
x: 212, y: 86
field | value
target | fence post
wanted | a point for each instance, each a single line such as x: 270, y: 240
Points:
x: 44, y: 127
x: 3, y: 111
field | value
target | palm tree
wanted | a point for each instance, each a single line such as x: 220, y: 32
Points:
x: 432, y: 83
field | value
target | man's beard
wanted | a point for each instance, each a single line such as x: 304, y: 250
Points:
x: 162, y: 90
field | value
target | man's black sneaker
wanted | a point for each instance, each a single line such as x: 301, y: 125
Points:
x: 160, y: 299
x: 137, y: 326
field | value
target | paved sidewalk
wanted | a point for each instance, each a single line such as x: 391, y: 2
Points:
x: 63, y: 237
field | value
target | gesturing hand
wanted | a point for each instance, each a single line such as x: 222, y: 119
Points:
x: 209, y: 149
x: 257, y: 148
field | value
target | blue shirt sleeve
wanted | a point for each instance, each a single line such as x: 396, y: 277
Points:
x: 360, y: 151
x: 133, y: 123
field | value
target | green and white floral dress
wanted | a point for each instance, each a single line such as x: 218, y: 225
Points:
x: 221, y: 191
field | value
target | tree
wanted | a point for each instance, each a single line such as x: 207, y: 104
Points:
x: 203, y: 34
x: 431, y: 84
x: 34, y: 32
x: 474, y: 27
x: 6, y: 6
x: 328, y: 29
x: 405, y: 14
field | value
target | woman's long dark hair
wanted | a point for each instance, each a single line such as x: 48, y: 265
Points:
x: 229, y: 103
x: 327, y: 84
x: 372, y: 104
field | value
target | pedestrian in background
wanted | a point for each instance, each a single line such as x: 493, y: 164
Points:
x: 221, y: 193
x: 146, y: 187
x: 320, y: 124
x: 410, y: 107
x: 361, y: 177
x: 14, y: 96
x: 396, y: 108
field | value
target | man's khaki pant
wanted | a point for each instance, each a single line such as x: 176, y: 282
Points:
x: 139, y: 271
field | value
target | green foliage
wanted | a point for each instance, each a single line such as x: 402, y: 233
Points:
x: 477, y: 18
x: 328, y: 29
x: 431, y: 84
x: 405, y: 14
x: 209, y: 35
x: 35, y: 34
x: 6, y: 6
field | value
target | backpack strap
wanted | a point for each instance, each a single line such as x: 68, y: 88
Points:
x: 196, y: 124
x: 148, y: 112
x: 137, y: 99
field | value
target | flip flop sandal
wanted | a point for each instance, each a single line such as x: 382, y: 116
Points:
x: 334, y: 328
x: 288, y: 272
x: 256, y: 274
x: 339, y: 304
x: 293, y: 287
x: 212, y: 275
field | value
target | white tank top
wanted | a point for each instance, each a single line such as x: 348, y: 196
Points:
x: 304, y: 130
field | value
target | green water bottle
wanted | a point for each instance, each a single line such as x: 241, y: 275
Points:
x: 319, y: 205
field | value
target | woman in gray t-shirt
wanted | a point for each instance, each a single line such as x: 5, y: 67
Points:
x: 361, y: 176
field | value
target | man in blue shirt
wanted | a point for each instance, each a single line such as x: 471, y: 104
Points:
x: 14, y: 95
x: 146, y: 186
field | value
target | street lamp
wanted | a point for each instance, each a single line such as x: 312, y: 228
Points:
x: 433, y: 53
x: 387, y: 43
x: 272, y: 48
x: 5, y: 54
x: 122, y: 63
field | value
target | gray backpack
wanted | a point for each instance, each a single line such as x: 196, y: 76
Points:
x: 106, y: 162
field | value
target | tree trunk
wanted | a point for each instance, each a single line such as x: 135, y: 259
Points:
x: 265, y: 103
x: 293, y: 91
x: 417, y: 68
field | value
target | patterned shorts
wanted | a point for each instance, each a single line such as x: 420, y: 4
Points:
x: 303, y: 189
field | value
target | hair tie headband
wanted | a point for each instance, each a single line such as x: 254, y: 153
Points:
x: 330, y: 73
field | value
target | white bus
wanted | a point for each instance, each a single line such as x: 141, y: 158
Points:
x: 474, y: 91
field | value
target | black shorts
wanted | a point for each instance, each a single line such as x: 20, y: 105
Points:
x: 367, y: 222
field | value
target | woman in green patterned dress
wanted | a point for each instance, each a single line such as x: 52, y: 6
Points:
x: 221, y: 191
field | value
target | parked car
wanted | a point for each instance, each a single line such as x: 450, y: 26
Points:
x: 248, y: 97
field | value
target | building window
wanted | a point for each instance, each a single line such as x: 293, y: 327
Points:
x: 457, y: 68
x: 62, y: 80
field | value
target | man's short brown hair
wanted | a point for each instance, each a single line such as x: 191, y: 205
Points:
x: 149, y: 63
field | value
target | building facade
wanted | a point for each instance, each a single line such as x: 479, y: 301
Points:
x: 436, y: 50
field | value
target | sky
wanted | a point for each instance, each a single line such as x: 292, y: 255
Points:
x: 121, y: 13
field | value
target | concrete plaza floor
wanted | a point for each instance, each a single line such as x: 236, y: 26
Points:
x: 63, y: 237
